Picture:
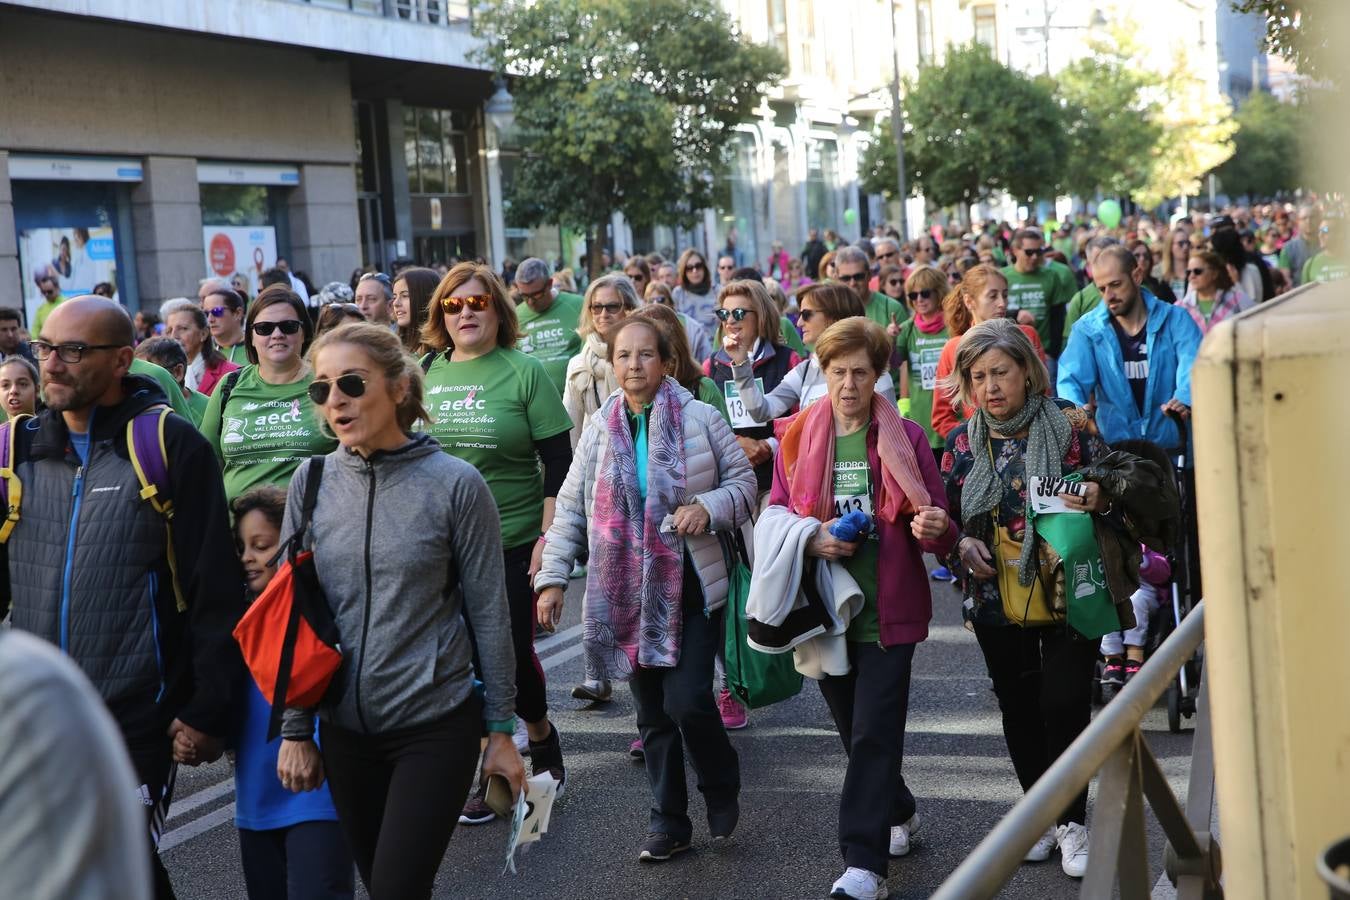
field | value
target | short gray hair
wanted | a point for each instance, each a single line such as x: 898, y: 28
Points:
x: 850, y: 255
x: 885, y: 242
x: 215, y: 283
x: 532, y: 269
x: 1098, y: 244
x: 995, y: 334
x: 169, y: 307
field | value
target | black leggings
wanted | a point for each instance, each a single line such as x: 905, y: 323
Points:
x: 531, y: 696
x: 398, y: 796
x: 304, y: 861
x: 1043, y: 681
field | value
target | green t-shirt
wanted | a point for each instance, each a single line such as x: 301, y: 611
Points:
x: 1082, y: 303
x: 43, y: 311
x: 489, y: 412
x: 265, y: 431
x: 853, y: 491
x: 1067, y: 280
x: 1036, y: 293
x: 709, y: 394
x: 792, y: 339
x: 551, y: 336
x: 166, y: 384
x: 1323, y: 267
x: 880, y: 309
x: 921, y: 352
x: 197, y: 403
x: 236, y: 354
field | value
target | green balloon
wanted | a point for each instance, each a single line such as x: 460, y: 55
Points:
x: 850, y: 216
x: 1108, y: 213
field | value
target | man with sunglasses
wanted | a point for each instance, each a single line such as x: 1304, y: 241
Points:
x: 89, y: 565
x: 51, y: 299
x: 1036, y: 294
x: 548, y: 319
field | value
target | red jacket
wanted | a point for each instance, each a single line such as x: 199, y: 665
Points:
x: 904, y: 603
x: 213, y: 374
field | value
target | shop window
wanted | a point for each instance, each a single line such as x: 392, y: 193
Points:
x: 236, y: 204
x: 436, y: 150
x: 986, y: 27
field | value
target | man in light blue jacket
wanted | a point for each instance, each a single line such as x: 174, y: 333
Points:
x: 1131, y: 355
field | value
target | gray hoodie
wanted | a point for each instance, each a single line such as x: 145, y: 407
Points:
x: 395, y: 538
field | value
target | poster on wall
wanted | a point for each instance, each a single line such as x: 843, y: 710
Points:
x: 243, y: 250
x: 77, y: 258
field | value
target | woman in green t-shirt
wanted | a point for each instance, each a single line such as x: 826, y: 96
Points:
x: 919, y: 346
x: 495, y: 408
x: 259, y: 420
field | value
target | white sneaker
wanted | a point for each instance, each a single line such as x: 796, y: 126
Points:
x: 903, y: 835
x: 860, y: 884
x: 521, y: 737
x: 1073, y: 849
x: 1041, y: 850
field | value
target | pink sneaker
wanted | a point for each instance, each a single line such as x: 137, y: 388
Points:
x: 733, y: 714
x: 636, y: 752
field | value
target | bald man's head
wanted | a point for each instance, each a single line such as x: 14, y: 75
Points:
x: 98, y: 319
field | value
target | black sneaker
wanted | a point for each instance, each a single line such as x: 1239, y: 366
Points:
x: 722, y: 823
x: 546, y: 756
x: 659, y: 847
x: 476, y: 811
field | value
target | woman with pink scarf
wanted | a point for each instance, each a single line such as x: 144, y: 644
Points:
x: 856, y: 453
x: 656, y: 476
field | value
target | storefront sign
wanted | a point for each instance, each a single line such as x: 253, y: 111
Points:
x: 247, y: 173
x: 77, y: 258
x: 73, y: 168
x: 247, y: 250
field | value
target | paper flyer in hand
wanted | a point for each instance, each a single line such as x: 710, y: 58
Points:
x: 533, y: 811
x: 1043, y: 494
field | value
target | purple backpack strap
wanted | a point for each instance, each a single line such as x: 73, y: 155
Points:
x: 150, y: 458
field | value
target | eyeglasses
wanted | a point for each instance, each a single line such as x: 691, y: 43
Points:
x: 1032, y: 251
x: 68, y: 353
x: 893, y: 282
x: 1194, y: 272
x: 734, y: 315
x: 1181, y: 243
x: 859, y: 276
x: 726, y: 267
x: 476, y: 302
x: 351, y: 385
x: 635, y: 277
x: 536, y: 296
x: 926, y: 294
x: 695, y: 267
x: 218, y: 312
x: 288, y: 327
x: 607, y: 308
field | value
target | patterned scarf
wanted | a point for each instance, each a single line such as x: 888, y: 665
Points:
x: 808, y: 463
x: 633, y: 582
x: 1048, y: 436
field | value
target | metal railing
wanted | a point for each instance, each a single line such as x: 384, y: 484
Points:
x: 1114, y: 745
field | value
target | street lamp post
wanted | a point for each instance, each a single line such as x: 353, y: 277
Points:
x: 499, y: 112
x: 898, y: 125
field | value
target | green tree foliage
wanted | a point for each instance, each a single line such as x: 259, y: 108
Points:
x: 1267, y: 158
x: 1300, y: 31
x: 1110, y: 107
x: 973, y: 128
x: 621, y: 106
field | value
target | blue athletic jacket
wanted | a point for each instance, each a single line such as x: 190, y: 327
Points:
x: 1092, y: 365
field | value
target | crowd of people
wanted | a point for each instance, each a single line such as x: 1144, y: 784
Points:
x: 620, y: 435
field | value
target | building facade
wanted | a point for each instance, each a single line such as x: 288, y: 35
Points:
x: 151, y: 145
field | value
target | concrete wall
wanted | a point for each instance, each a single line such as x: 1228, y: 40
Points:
x: 166, y: 216
x: 9, y: 243
x: 325, y: 236
x: 84, y: 86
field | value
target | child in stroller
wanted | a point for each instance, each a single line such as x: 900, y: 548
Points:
x: 1124, y: 651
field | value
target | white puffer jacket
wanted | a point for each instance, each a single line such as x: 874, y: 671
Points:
x: 717, y: 475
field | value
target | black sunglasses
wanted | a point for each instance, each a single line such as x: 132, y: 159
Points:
x: 1032, y: 251
x: 737, y: 315
x: 695, y: 267
x: 806, y: 314
x: 1194, y: 272
x: 860, y: 276
x: 351, y: 385
x: 926, y: 294
x: 288, y: 327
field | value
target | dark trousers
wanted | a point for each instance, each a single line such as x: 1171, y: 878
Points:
x: 869, y: 706
x: 152, y: 759
x: 531, y: 696
x: 304, y: 861
x: 398, y: 796
x: 1043, y: 681
x: 675, y: 710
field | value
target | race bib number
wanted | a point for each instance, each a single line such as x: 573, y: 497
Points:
x: 852, y: 488
x: 736, y: 406
x: 928, y: 365
x: 1043, y: 494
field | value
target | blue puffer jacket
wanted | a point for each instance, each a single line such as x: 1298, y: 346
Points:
x: 1093, y: 366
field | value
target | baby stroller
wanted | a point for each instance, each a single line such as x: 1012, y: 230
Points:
x: 1182, y: 591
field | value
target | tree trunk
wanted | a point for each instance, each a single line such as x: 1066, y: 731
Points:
x: 595, y: 248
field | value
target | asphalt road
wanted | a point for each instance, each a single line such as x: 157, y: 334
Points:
x: 792, y: 768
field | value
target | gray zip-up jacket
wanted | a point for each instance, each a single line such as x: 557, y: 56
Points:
x: 407, y: 545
